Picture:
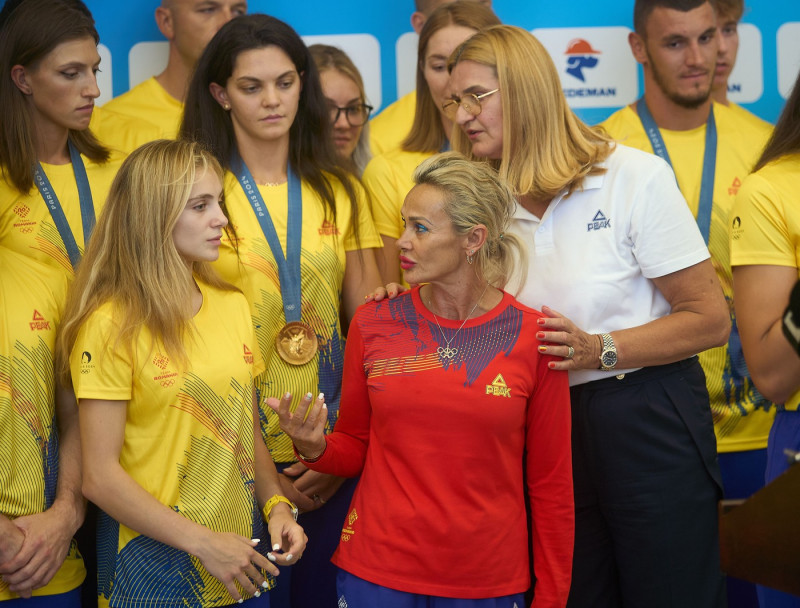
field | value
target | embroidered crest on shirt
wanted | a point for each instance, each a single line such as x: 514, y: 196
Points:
x: 498, y: 387
x: 598, y: 222
x: 39, y: 323
x: 348, y: 531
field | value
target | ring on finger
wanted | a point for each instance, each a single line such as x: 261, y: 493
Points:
x: 570, y: 352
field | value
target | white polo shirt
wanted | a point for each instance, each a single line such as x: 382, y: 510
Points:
x: 592, y: 254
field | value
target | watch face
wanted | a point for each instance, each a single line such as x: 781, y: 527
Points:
x: 609, y: 358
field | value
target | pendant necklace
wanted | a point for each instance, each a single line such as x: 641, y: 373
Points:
x: 446, y: 352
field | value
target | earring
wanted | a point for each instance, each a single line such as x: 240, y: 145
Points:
x: 226, y: 106
x: 469, y: 256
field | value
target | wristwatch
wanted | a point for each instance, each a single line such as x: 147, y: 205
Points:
x: 274, y: 501
x: 608, y: 358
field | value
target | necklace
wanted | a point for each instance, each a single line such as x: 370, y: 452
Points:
x: 446, y: 352
x: 280, y: 183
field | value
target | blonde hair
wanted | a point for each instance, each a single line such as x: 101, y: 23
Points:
x: 427, y: 133
x: 328, y: 57
x: 546, y: 148
x: 132, y: 261
x: 474, y: 194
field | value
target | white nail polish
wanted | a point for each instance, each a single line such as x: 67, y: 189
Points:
x: 264, y: 584
x: 275, y: 547
x: 289, y: 557
x: 255, y: 540
x: 240, y: 601
x: 270, y: 557
x: 321, y: 396
x: 308, y: 396
x: 257, y: 594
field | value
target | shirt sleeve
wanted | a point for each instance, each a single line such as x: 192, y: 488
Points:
x: 663, y: 231
x: 549, y: 480
x: 759, y: 231
x: 346, y: 448
x: 368, y: 235
x: 101, y: 368
x: 382, y: 188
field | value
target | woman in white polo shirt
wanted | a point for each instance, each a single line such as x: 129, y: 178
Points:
x: 614, y: 248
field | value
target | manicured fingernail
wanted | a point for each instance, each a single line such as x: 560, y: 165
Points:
x: 321, y: 397
x: 308, y: 396
x: 255, y: 540
x: 287, y: 395
x: 275, y: 547
x: 264, y: 584
x: 289, y: 557
x: 540, y: 321
x: 240, y: 601
x: 542, y: 349
x: 551, y: 365
x: 270, y: 557
x: 540, y: 335
x: 257, y: 593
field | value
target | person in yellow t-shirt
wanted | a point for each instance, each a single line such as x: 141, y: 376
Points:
x: 162, y: 357
x: 765, y: 255
x: 120, y: 132
x: 389, y: 128
x: 388, y: 176
x: 54, y: 170
x: 188, y: 25
x: 304, y: 239
x: 681, y: 109
x: 40, y: 492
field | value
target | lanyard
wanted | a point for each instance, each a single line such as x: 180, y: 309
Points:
x: 57, y: 211
x: 289, y: 266
x: 709, y: 161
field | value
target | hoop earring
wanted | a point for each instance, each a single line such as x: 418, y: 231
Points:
x: 469, y: 256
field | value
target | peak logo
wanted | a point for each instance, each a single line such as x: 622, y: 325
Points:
x: 328, y: 229
x: 498, y: 387
x: 598, y: 221
x: 39, y: 323
x: 580, y: 55
x: 248, y: 354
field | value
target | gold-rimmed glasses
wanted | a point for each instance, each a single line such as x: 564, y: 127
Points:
x: 470, y: 102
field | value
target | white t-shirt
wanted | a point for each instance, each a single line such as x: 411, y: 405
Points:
x: 592, y: 255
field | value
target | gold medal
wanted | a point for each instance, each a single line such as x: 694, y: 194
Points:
x: 296, y: 343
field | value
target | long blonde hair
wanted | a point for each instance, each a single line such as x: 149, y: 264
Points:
x: 132, y: 261
x: 546, y: 148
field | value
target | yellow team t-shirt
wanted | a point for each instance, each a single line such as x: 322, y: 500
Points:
x: 149, y: 101
x: 26, y: 225
x: 389, y: 128
x: 31, y: 301
x: 765, y: 225
x: 387, y: 179
x: 120, y: 132
x: 188, y: 442
x: 742, y: 417
x: 325, y: 241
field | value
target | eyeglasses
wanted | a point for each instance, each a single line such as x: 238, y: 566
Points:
x: 356, y: 115
x: 470, y: 102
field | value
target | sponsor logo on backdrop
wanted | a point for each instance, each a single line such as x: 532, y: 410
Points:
x: 595, y: 64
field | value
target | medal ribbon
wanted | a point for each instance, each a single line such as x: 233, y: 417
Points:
x: 709, y: 161
x: 289, y: 266
x: 57, y: 211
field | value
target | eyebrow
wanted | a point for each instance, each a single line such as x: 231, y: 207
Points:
x: 78, y: 64
x: 256, y: 79
x: 200, y: 197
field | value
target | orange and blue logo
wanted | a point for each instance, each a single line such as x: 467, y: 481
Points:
x: 580, y: 56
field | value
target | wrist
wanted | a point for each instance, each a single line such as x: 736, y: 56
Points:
x: 276, y: 505
x: 312, y: 454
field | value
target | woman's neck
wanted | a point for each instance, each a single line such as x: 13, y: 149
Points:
x: 267, y: 161
x: 51, y: 145
x: 460, y: 300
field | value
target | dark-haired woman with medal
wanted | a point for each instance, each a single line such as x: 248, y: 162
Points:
x: 302, y: 254
x: 55, y: 176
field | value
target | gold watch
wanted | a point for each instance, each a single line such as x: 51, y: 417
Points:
x: 608, y: 358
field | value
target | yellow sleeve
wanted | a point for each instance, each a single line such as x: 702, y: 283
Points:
x: 759, y: 233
